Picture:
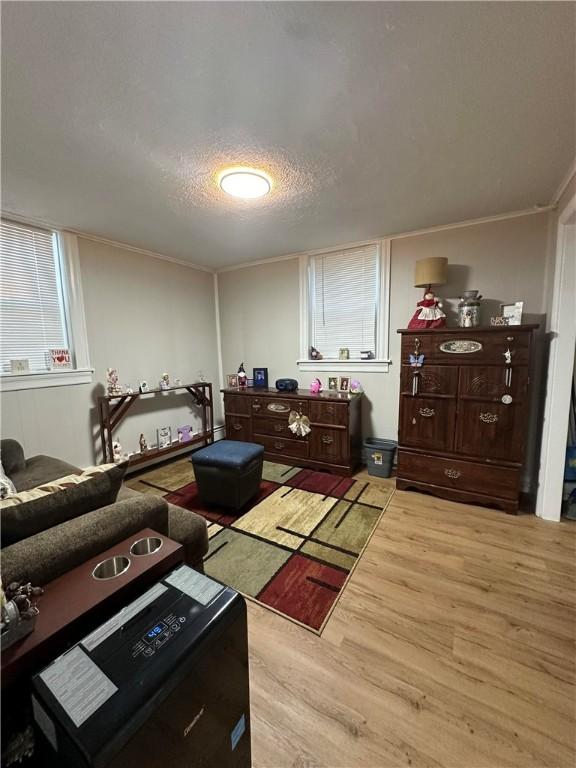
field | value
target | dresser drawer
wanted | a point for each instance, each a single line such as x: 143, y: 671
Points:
x: 296, y: 448
x: 238, y: 404
x: 459, y: 475
x: 475, y: 347
x: 263, y: 425
x: 329, y: 413
x: 238, y: 428
x: 431, y: 380
x: 277, y: 406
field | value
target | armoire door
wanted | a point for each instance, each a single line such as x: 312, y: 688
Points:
x: 491, y: 430
x: 427, y: 422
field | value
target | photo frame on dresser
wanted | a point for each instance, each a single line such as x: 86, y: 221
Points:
x: 260, y: 376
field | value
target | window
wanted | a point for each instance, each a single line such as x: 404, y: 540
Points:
x: 36, y: 314
x: 344, y: 294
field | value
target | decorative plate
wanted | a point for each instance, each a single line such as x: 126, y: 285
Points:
x: 460, y: 346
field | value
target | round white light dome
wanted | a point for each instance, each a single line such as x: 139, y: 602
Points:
x: 245, y: 182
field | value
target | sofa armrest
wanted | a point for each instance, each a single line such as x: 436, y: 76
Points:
x: 191, y: 531
x: 12, y: 455
x: 49, y: 554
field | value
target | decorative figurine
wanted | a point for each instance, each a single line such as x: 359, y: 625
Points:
x: 113, y: 387
x: 143, y: 444
x: 316, y: 386
x: 344, y: 353
x: 242, y: 377
x: 429, y: 313
x: 165, y: 381
x: 299, y: 424
x: 117, y: 452
x: 355, y: 387
x: 314, y: 354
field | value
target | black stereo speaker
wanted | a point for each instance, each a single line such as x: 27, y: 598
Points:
x: 286, y: 385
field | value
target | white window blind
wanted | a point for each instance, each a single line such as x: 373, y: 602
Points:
x: 344, y: 289
x: 32, y: 316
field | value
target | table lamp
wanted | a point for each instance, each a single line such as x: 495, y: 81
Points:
x: 429, y: 272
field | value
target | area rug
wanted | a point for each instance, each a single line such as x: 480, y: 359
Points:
x: 295, y: 545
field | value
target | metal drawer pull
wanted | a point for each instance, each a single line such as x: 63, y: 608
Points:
x: 278, y: 408
x: 278, y: 445
x: 427, y: 412
x: 256, y: 406
x: 278, y: 427
x: 327, y: 440
x: 237, y: 427
x: 453, y: 474
x: 489, y: 418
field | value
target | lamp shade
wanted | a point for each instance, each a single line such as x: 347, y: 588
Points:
x: 430, y: 271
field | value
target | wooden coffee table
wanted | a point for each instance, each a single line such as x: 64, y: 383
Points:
x: 75, y: 603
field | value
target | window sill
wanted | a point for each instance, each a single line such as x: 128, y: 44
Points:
x: 11, y: 382
x: 345, y: 366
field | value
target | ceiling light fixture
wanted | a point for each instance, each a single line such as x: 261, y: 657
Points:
x: 245, y: 182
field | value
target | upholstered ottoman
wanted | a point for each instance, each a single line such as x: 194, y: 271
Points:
x: 228, y: 472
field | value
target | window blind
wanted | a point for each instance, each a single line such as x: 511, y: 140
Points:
x: 32, y: 318
x: 344, y: 288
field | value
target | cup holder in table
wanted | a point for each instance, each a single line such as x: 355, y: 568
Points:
x: 111, y: 568
x: 146, y: 546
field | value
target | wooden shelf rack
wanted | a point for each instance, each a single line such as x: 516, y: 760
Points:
x: 113, y: 409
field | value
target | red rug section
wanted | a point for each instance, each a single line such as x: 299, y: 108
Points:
x: 320, y: 482
x: 189, y: 498
x: 304, y: 590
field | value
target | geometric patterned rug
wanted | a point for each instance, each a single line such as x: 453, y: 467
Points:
x: 295, y: 545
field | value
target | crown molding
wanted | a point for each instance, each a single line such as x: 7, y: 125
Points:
x: 43, y: 223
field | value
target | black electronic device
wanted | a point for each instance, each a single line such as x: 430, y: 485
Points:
x: 286, y: 385
x: 163, y: 682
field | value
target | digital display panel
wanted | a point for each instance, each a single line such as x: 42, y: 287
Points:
x: 153, y: 633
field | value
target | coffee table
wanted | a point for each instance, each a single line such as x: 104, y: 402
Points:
x: 76, y: 602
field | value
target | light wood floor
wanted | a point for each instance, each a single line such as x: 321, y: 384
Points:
x: 452, y: 645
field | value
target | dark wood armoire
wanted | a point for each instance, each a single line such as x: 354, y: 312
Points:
x: 464, y: 412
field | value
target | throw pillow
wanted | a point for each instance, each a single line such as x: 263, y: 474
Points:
x: 29, y: 512
x: 7, y: 487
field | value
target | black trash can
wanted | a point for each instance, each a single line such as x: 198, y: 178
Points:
x: 379, y: 456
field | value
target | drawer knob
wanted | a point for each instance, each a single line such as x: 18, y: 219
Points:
x: 489, y: 418
x: 278, y: 427
x: 327, y: 439
x: 278, y: 444
x: 427, y: 412
x: 237, y: 427
x: 256, y: 406
x: 453, y: 474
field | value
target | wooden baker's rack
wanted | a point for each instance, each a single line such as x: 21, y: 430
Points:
x: 113, y: 409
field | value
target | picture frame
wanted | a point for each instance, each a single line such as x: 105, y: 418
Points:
x: 20, y: 365
x: 232, y: 380
x: 344, y: 383
x: 164, y: 435
x: 60, y: 358
x: 260, y: 378
x: 513, y: 312
x: 143, y: 387
x: 184, y: 433
x: 333, y: 384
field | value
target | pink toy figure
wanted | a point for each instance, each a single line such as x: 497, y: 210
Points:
x: 316, y: 386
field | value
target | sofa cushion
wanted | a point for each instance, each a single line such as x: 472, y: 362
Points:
x: 29, y: 512
x: 39, y: 470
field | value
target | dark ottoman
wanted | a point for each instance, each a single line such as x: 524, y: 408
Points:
x: 228, y: 472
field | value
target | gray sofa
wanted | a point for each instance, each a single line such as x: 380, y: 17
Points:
x: 48, y: 554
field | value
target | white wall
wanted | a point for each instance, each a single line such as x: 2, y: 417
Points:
x: 144, y: 316
x: 505, y: 260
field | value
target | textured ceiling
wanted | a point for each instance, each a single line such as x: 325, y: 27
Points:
x: 372, y: 118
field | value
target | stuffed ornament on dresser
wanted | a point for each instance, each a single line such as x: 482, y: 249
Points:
x: 429, y: 314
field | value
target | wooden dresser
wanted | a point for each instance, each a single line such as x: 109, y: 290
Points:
x: 261, y: 416
x: 464, y: 413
